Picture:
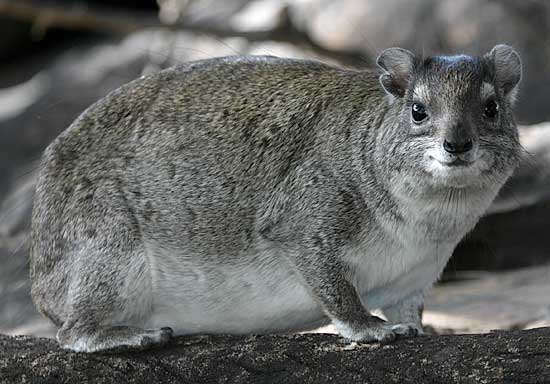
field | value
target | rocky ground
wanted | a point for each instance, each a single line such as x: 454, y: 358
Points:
x: 501, y: 357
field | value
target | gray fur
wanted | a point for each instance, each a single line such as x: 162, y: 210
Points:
x: 258, y: 194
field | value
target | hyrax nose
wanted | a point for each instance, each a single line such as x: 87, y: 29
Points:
x: 458, y: 147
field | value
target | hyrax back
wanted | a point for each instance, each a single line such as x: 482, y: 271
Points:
x: 266, y: 195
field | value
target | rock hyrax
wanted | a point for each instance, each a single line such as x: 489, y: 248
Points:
x: 260, y: 194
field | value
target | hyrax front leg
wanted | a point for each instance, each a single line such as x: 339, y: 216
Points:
x: 327, y: 279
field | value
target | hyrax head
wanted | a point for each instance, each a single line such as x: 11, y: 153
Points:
x: 453, y: 125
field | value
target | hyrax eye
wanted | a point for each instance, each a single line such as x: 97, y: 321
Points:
x: 418, y: 112
x: 490, y: 109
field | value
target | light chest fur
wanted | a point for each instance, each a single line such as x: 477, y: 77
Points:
x: 403, y: 256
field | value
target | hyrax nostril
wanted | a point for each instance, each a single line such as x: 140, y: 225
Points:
x: 456, y: 148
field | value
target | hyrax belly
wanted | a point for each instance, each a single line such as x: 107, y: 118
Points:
x: 258, y: 293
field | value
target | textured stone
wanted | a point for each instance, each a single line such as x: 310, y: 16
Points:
x: 483, y: 301
x: 503, y: 357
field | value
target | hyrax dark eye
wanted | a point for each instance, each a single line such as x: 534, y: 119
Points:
x: 418, y: 112
x: 490, y: 109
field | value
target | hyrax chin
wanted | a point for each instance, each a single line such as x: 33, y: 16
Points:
x: 259, y: 194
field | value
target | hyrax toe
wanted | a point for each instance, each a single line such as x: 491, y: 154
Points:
x: 153, y: 337
x: 113, y: 338
x: 382, y: 333
x: 405, y: 330
x: 387, y: 333
x: 166, y: 334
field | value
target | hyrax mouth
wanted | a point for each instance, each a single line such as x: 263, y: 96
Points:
x: 454, y: 170
x: 455, y: 163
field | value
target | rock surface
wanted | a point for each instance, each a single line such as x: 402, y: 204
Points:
x: 503, y: 357
x: 483, y: 301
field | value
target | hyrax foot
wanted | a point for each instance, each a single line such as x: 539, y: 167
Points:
x: 382, y: 332
x: 407, y: 330
x: 113, y: 338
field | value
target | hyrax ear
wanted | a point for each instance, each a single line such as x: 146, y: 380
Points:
x: 506, y: 65
x: 398, y: 65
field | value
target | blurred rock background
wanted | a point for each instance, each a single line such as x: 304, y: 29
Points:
x: 59, y: 56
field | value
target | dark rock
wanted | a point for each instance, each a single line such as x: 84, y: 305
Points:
x: 530, y: 183
x: 503, y: 357
x: 14, y: 35
x: 477, y: 302
x: 506, y: 240
x: 50, y: 101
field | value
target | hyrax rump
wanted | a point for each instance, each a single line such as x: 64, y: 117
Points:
x: 259, y: 194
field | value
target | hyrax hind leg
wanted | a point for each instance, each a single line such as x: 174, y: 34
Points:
x: 109, y: 298
x: 99, y: 255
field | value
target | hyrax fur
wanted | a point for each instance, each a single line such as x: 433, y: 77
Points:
x: 259, y: 194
